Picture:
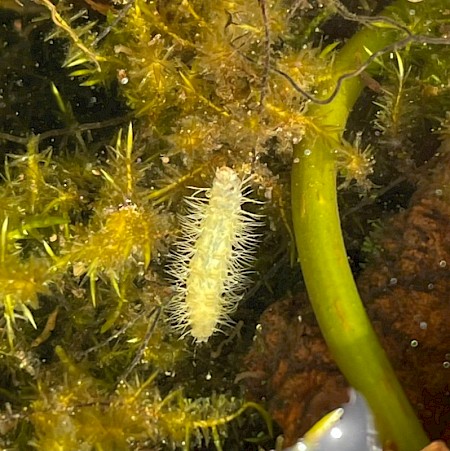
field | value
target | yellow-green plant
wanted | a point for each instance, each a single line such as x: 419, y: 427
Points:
x: 86, y: 229
x: 79, y: 414
x: 324, y: 262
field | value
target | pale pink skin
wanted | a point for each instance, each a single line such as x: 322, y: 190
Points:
x: 436, y: 446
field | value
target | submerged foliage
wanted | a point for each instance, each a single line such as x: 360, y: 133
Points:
x: 88, y: 358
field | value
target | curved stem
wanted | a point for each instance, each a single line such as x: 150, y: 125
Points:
x: 328, y: 277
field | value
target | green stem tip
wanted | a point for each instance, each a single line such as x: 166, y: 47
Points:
x: 328, y: 277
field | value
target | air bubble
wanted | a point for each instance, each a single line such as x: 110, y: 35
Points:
x: 393, y: 281
x: 430, y: 286
x: 268, y: 192
x: 442, y: 263
x: 438, y: 192
x: 414, y: 343
x: 307, y: 152
x: 336, y: 433
x: 446, y: 364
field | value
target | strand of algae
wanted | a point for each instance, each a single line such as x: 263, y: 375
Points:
x: 328, y: 277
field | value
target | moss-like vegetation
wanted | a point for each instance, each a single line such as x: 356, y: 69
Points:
x: 124, y: 106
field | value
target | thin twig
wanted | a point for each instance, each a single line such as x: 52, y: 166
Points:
x: 367, y: 20
x: 61, y: 23
x: 266, y: 66
x: 68, y: 130
x: 122, y: 13
x: 389, y: 48
x: 150, y: 329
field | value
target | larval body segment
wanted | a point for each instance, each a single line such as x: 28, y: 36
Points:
x: 212, y: 257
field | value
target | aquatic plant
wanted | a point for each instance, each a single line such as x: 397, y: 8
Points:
x: 325, y: 267
x: 89, y: 211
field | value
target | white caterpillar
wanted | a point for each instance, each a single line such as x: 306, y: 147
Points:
x: 212, y: 257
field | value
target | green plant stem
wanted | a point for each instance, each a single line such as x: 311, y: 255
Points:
x: 328, y: 277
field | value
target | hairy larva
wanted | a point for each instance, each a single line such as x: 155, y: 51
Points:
x: 212, y: 258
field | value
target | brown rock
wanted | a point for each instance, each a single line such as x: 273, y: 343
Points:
x: 407, y: 294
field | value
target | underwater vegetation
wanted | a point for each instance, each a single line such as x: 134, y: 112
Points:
x: 110, y: 113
